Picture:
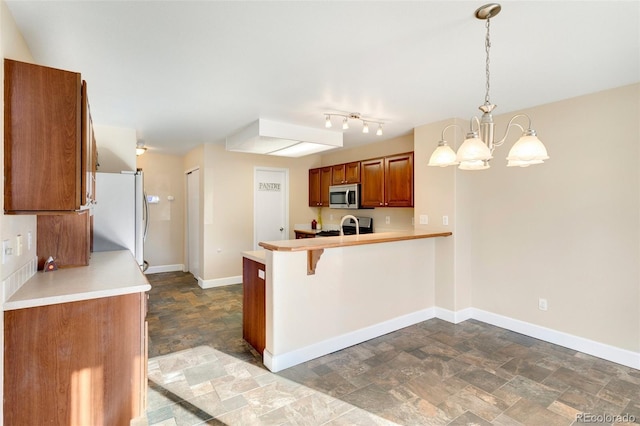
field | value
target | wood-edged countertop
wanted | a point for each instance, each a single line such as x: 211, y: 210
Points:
x: 110, y: 273
x: 320, y: 243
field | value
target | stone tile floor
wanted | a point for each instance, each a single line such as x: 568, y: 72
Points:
x: 432, y: 373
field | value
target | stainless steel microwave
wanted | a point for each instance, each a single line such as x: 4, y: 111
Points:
x: 344, y: 196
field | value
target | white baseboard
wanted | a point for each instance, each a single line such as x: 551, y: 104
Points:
x: 219, y: 282
x: 580, y: 344
x: 597, y: 349
x: 298, y: 356
x: 164, y: 268
x: 454, y: 317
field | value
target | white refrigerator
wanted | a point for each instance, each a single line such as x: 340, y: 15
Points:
x: 120, y: 214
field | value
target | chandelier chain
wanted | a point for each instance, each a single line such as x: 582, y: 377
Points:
x: 487, y: 46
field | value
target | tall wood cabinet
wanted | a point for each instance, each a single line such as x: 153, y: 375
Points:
x: 50, y: 156
x: 78, y: 363
x: 388, y: 181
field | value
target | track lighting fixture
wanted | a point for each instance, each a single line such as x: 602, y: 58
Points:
x: 353, y: 116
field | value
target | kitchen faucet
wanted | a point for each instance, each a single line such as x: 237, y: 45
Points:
x: 355, y: 219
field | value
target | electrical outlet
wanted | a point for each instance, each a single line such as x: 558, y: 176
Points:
x: 387, y: 220
x: 29, y: 240
x: 424, y: 219
x: 445, y: 220
x: 542, y: 304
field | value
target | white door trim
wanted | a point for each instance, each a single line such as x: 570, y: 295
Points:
x: 186, y: 265
x: 256, y: 169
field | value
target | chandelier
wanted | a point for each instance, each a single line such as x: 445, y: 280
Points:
x: 477, y: 148
x: 353, y: 116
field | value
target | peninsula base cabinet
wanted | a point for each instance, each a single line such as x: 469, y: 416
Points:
x: 76, y: 363
x: 253, y: 306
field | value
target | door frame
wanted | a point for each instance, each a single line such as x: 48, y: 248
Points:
x: 256, y: 169
x: 186, y: 214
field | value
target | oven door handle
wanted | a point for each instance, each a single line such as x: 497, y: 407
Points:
x: 346, y: 198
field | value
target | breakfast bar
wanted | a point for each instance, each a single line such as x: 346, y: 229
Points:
x: 325, y: 294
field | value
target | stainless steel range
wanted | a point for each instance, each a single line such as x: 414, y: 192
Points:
x: 365, y: 225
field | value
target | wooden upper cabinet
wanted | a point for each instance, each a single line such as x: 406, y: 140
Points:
x: 398, y: 182
x: 325, y: 183
x: 319, y: 182
x: 388, y: 181
x: 346, y: 173
x: 372, y: 190
x: 46, y: 161
x: 314, y: 187
x: 65, y: 237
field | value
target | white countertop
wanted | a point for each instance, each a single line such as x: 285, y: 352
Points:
x: 350, y: 240
x: 255, y: 255
x: 110, y: 273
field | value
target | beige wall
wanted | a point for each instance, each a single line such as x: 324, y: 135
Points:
x: 164, y: 176
x: 567, y: 231
x: 116, y: 148
x: 442, y: 192
x: 227, y: 203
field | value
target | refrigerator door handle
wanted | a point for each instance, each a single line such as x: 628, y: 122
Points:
x: 146, y: 216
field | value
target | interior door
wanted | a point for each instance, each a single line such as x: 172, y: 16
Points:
x: 193, y: 222
x: 271, y: 205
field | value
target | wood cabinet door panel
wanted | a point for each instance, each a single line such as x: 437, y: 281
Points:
x: 338, y: 176
x: 325, y: 183
x: 399, y: 180
x: 42, y: 138
x: 253, y: 305
x: 74, y: 363
x: 372, y: 175
x: 352, y: 172
x: 314, y: 187
x: 66, y: 237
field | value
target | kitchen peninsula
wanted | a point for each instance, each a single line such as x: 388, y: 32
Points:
x: 325, y: 294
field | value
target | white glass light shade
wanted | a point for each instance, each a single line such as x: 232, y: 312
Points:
x: 345, y: 124
x: 473, y: 149
x: 526, y: 151
x: 379, y: 131
x: 518, y: 163
x: 443, y: 156
x: 474, y: 165
x: 365, y: 127
x: 327, y: 122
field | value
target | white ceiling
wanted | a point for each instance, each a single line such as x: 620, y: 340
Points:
x: 183, y: 73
